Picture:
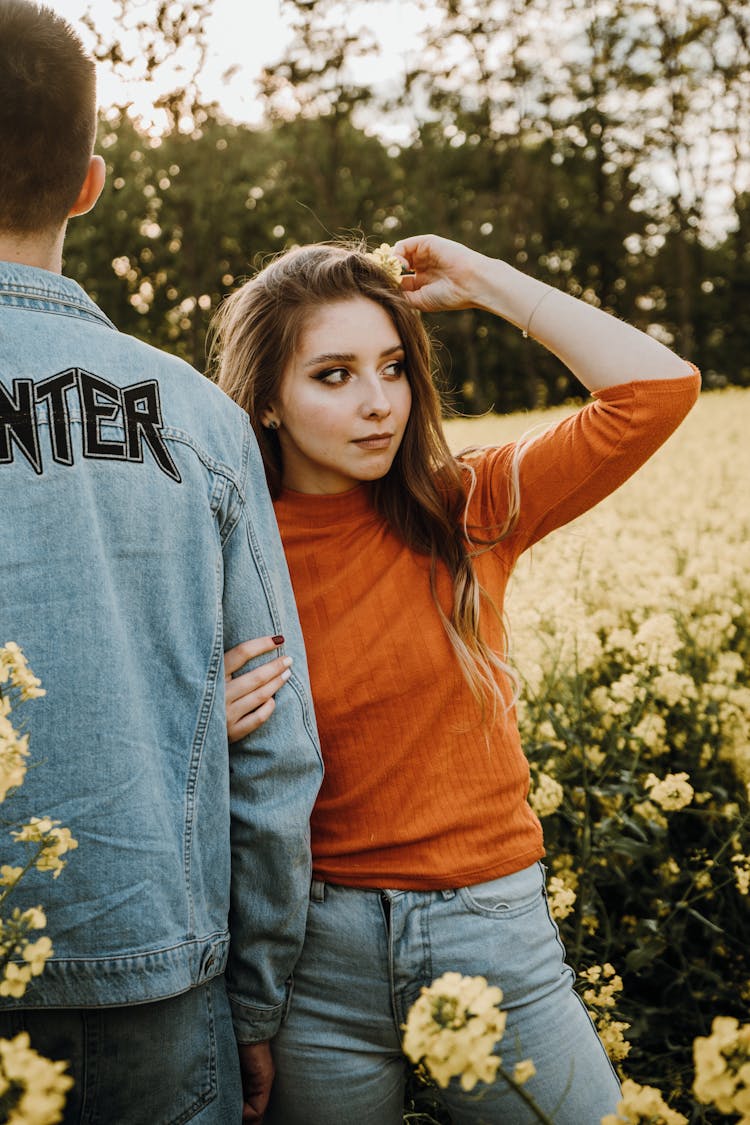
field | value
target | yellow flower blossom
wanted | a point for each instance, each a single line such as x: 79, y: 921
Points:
x: 15, y: 979
x: 673, y: 687
x: 14, y: 749
x: 453, y: 1029
x: 15, y: 669
x: 54, y: 842
x: 523, y: 1071
x: 722, y: 1067
x: 40, y: 1085
x: 648, y: 811
x: 9, y: 876
x: 642, y: 1105
x: 34, y: 918
x: 561, y: 897
x: 387, y: 261
x: 657, y: 640
x: 600, y: 998
x: 672, y: 792
x: 546, y: 796
x: 37, y: 953
x: 741, y: 864
x: 652, y: 732
x: 32, y: 1088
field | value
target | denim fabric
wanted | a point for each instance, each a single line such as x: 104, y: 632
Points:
x: 366, y: 957
x: 147, y: 1064
x: 138, y: 542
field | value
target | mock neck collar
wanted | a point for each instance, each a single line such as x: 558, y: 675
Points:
x: 315, y: 510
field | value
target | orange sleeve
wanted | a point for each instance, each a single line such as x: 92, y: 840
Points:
x: 570, y: 467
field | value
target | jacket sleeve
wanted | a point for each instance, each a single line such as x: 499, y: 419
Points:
x: 275, y: 772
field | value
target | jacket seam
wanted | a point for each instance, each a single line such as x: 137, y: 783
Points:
x: 69, y: 307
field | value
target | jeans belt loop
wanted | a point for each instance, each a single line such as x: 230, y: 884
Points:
x: 318, y: 890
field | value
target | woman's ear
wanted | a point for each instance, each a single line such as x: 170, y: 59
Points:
x: 269, y: 420
x: 91, y: 188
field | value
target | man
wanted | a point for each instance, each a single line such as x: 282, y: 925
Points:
x: 137, y: 543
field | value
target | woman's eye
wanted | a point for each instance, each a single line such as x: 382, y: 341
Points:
x: 333, y: 376
x: 395, y: 370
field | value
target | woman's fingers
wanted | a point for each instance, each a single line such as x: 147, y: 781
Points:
x: 256, y: 680
x: 235, y: 658
x: 248, y: 723
x: 248, y: 696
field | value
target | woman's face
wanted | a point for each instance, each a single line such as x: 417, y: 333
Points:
x: 344, y: 399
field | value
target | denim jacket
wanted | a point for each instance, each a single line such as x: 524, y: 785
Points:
x: 138, y: 542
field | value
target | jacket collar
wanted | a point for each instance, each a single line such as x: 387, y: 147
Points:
x: 31, y: 283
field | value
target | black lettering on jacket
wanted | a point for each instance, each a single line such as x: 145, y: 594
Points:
x: 137, y: 407
x: 18, y: 423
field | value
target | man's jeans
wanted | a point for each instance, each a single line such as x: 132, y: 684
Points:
x: 367, y: 955
x: 164, y: 1063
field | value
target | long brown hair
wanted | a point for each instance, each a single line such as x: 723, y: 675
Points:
x: 425, y: 493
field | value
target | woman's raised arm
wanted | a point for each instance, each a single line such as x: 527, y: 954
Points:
x: 599, y: 349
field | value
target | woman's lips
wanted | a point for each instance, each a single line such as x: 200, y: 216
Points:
x: 374, y: 441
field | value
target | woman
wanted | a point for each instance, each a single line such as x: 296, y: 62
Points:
x: 426, y: 853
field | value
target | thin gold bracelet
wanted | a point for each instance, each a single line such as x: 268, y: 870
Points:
x: 546, y: 293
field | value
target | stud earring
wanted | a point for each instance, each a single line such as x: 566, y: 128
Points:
x: 272, y: 424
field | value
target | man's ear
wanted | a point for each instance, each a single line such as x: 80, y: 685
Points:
x: 91, y: 188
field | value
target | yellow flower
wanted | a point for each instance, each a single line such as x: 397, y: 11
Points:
x: 741, y: 865
x: 35, y: 830
x: 13, y: 667
x: 54, y: 841
x: 657, y: 640
x: 15, y: 979
x: 34, y: 918
x: 453, y: 1029
x: 14, y: 749
x: 652, y: 731
x: 387, y: 261
x: 648, y: 811
x: 523, y: 1071
x: 9, y: 876
x: 561, y: 897
x: 672, y: 792
x: 39, y: 1084
x: 547, y: 795
x: 604, y: 985
x: 642, y: 1105
x: 722, y: 1066
x: 37, y: 953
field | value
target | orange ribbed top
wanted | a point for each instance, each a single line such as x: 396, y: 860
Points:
x: 413, y: 798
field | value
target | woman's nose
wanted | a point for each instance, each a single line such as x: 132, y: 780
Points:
x: 375, y: 402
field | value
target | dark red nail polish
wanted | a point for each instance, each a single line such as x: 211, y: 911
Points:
x: 278, y: 639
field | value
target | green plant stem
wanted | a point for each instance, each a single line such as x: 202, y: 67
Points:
x: 7, y: 890
x: 525, y: 1097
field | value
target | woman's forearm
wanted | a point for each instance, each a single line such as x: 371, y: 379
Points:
x: 599, y: 349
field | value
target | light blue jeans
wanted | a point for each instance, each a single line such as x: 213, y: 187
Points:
x: 366, y: 957
x: 164, y: 1063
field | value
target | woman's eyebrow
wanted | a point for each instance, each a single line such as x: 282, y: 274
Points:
x: 347, y: 357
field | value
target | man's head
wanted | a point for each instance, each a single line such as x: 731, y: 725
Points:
x: 47, y: 120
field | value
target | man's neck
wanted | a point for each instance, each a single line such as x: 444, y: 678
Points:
x: 43, y: 251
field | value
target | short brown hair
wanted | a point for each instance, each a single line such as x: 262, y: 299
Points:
x: 47, y: 117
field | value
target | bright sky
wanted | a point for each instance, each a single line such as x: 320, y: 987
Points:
x: 248, y: 34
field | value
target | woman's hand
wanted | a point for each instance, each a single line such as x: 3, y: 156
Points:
x: 249, y: 697
x: 446, y: 274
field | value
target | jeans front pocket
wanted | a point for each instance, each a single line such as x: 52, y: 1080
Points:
x: 508, y: 896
